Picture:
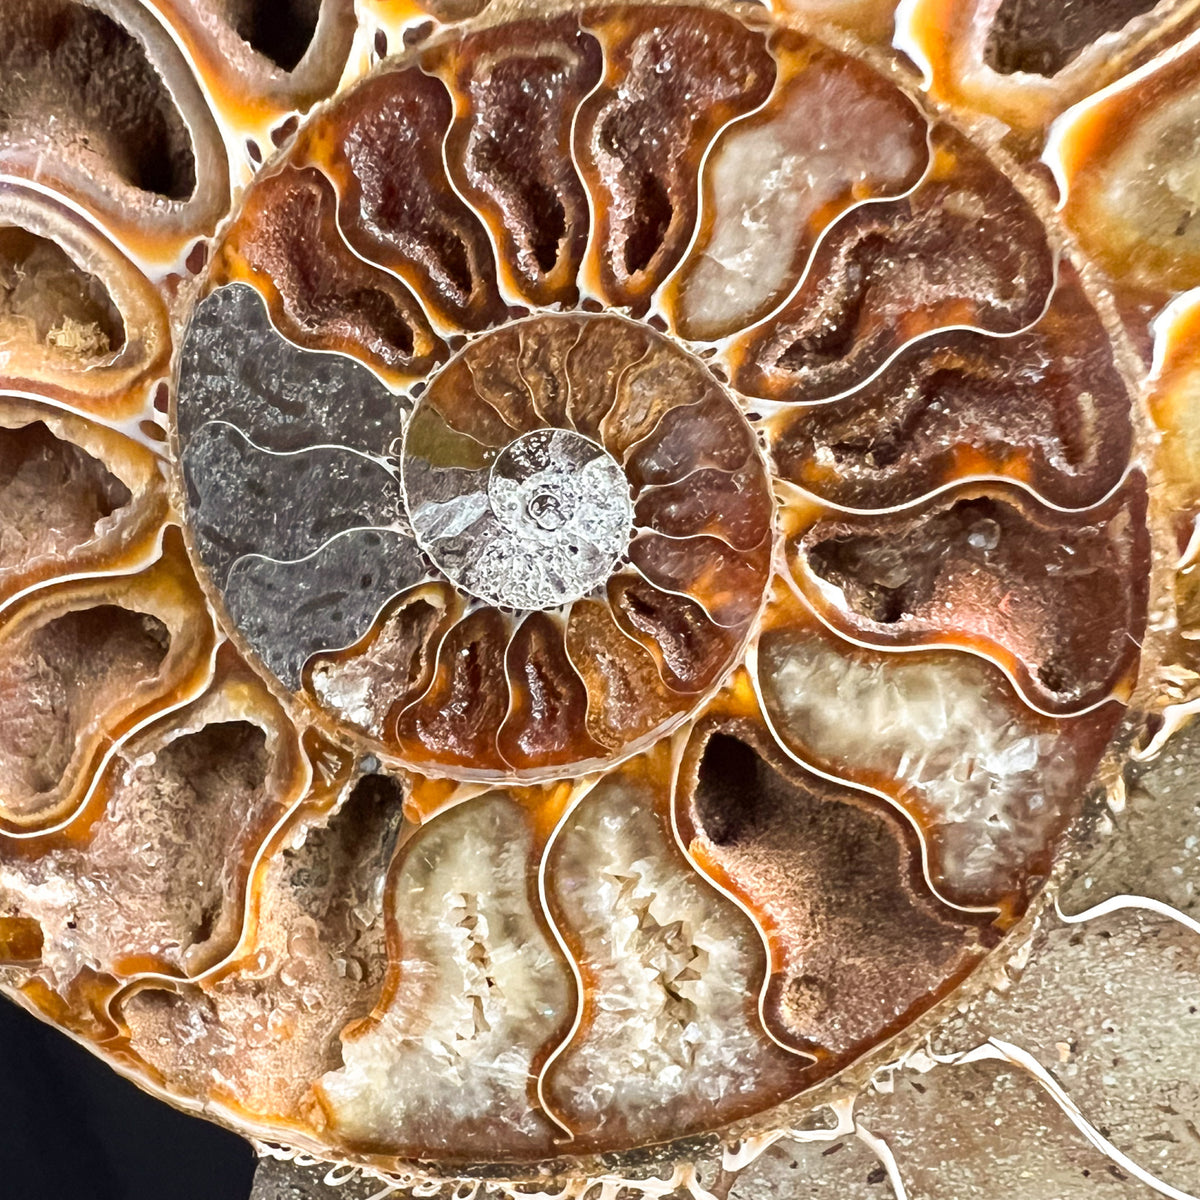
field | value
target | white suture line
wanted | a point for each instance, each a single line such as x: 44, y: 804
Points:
x: 1122, y: 902
x: 887, y: 1159
x: 995, y: 1050
x: 1174, y: 718
x: 737, y: 1159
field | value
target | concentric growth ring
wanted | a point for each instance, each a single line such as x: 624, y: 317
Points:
x: 645, y: 448
x: 540, y: 527
x: 647, y: 560
x: 571, y: 550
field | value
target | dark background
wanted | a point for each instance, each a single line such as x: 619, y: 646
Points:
x: 72, y: 1128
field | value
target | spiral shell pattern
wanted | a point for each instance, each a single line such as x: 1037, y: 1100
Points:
x: 592, y: 607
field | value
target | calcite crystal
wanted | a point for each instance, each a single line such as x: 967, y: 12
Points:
x: 571, y: 576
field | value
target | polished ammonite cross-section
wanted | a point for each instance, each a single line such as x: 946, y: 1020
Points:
x: 569, y: 491
x: 585, y: 604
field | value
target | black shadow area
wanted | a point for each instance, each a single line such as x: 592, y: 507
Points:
x: 71, y: 1127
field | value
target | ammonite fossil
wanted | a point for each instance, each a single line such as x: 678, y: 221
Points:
x: 576, y: 576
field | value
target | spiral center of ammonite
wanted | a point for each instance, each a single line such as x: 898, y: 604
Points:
x: 516, y: 463
x: 562, y: 518
x: 550, y: 557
